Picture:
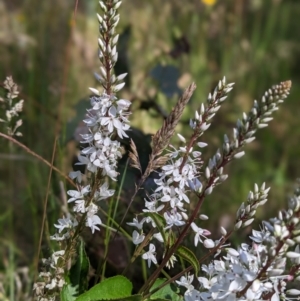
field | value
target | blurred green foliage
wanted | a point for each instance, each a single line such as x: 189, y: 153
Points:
x: 254, y: 43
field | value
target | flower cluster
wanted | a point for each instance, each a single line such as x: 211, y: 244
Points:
x: 180, y: 174
x: 260, y: 271
x: 185, y: 171
x: 12, y: 110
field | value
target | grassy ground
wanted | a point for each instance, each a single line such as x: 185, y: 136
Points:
x: 164, y: 46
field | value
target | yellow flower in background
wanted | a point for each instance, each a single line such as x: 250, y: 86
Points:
x: 209, y: 2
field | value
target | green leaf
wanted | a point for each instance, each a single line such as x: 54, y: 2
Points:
x: 114, y: 288
x: 132, y: 298
x: 168, y: 292
x: 79, y: 271
x: 189, y: 256
x: 77, y: 278
x: 67, y: 293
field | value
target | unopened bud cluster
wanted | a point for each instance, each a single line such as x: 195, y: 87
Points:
x: 246, y: 212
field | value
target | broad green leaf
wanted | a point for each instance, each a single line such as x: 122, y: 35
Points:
x: 67, y: 293
x: 114, y: 288
x: 189, y: 256
x: 131, y: 298
x: 160, y: 299
x: 168, y: 292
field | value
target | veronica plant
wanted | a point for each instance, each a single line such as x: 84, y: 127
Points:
x: 106, y: 120
x: 260, y: 271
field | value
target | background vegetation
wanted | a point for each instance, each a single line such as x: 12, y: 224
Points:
x: 50, y: 49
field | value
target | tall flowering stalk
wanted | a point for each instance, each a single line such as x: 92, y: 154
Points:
x: 106, y: 120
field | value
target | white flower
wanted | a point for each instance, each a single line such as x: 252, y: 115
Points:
x: 199, y: 232
x: 186, y: 282
x: 104, y: 192
x: 59, y: 238
x: 207, y: 283
x: 150, y: 255
x: 136, y: 223
x: 193, y: 295
x: 172, y: 168
x: 186, y: 174
x: 112, y: 121
x: 151, y: 206
x: 79, y: 206
x: 55, y: 256
x: 76, y: 175
x: 52, y: 284
x: 173, y: 218
x: 137, y: 238
x: 87, y: 138
x: 162, y: 186
x: 123, y: 104
x: 92, y: 209
x: 92, y: 222
x: 85, y: 161
x: 158, y: 236
x: 109, y: 170
x: 65, y: 223
x: 38, y: 287
x: 182, y: 195
x: 260, y: 236
x: 75, y: 195
x: 172, y: 198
